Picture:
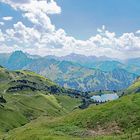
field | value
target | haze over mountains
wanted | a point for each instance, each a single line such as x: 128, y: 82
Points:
x: 77, y: 71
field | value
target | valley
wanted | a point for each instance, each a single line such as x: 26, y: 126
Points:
x: 36, y: 112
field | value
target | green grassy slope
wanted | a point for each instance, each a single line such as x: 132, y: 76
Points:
x: 10, y: 79
x: 22, y: 81
x: 114, y: 120
x: 14, y: 81
x: 20, y: 109
x: 134, y: 88
x: 29, y: 96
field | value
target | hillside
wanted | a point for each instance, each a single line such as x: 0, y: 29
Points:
x: 111, y: 121
x: 25, y: 95
x: 134, y: 88
x: 20, y: 109
x: 73, y: 74
x: 22, y: 81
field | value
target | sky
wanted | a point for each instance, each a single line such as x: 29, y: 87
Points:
x: 59, y: 27
x: 81, y: 18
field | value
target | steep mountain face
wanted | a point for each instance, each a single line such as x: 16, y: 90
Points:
x: 75, y: 73
x: 72, y: 75
x: 18, y: 60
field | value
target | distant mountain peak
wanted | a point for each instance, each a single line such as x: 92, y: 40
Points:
x: 18, y: 60
x: 18, y: 52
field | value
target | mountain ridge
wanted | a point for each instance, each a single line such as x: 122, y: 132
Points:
x: 74, y: 75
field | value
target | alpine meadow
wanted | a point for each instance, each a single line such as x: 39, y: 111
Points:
x: 69, y: 70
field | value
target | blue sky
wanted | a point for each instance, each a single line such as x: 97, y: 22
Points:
x: 61, y: 27
x: 81, y: 18
x: 6, y: 10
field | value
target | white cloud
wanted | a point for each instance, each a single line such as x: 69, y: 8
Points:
x: 2, y: 38
x: 7, y: 18
x: 47, y: 6
x: 37, y: 11
x: 16, y: 1
x: 44, y: 39
x: 1, y: 23
x: 138, y: 32
x: 22, y: 35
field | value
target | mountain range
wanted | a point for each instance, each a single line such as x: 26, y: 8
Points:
x: 86, y: 73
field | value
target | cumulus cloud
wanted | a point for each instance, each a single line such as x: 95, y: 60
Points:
x: 44, y: 39
x: 1, y: 23
x: 37, y: 11
x: 138, y: 32
x: 47, y: 6
x: 7, y: 18
x: 2, y: 38
x: 22, y: 34
x: 17, y: 1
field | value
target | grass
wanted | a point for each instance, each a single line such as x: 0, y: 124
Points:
x: 68, y: 103
x: 111, y: 121
x: 124, y: 112
x: 134, y: 87
x: 24, y: 105
x: 22, y: 108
